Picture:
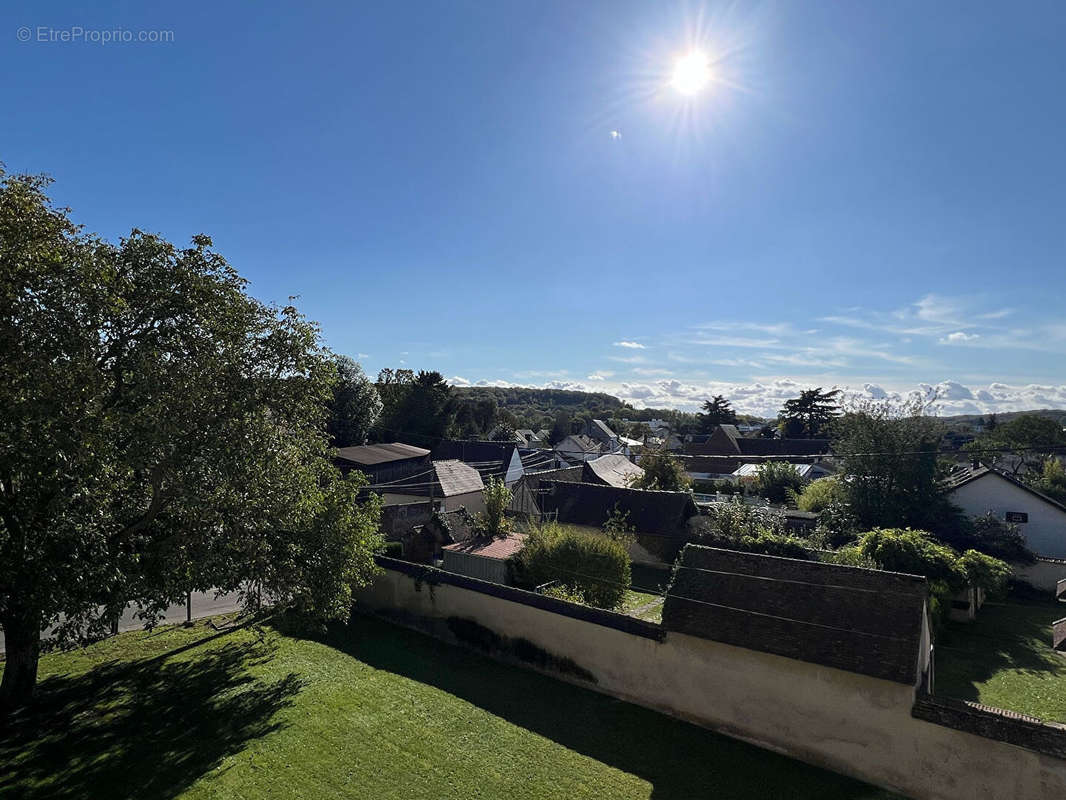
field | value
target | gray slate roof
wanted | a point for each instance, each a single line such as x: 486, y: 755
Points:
x: 455, y: 477
x: 612, y: 470
x: 859, y: 620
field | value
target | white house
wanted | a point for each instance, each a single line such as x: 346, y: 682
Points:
x: 1041, y: 520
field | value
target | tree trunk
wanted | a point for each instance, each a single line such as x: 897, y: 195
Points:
x: 22, y: 635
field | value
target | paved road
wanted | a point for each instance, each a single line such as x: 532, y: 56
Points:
x: 204, y: 604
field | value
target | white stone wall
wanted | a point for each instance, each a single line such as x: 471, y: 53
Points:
x: 846, y: 722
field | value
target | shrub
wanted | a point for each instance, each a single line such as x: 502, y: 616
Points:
x: 735, y: 519
x: 917, y: 553
x: 818, y: 495
x: 393, y: 549
x: 913, y: 552
x: 989, y: 573
x: 778, y: 481
x: 618, y: 526
x: 593, y: 567
x: 837, y: 526
x: 493, y: 521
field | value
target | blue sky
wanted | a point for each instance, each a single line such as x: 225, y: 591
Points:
x: 866, y: 194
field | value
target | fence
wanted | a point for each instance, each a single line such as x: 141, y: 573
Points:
x: 877, y: 730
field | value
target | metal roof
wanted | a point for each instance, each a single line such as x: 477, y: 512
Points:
x: 370, y: 454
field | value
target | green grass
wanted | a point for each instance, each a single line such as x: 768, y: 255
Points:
x: 1005, y: 659
x: 369, y: 711
x: 642, y: 605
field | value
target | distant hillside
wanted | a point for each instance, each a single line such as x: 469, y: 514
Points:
x: 537, y: 408
x: 967, y: 420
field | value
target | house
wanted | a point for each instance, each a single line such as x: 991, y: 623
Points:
x: 482, y: 558
x: 726, y: 440
x: 865, y: 621
x: 526, y: 495
x: 492, y: 459
x: 578, y: 447
x: 611, y: 470
x: 383, y: 463
x: 600, y: 431
x: 459, y: 485
x: 527, y: 437
x: 978, y: 490
x: 450, y: 485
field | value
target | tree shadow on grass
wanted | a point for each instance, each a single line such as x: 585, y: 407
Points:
x: 1012, y: 636
x: 146, y: 729
x: 680, y: 760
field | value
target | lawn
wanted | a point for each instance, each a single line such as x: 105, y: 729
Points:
x: 642, y: 605
x: 1004, y: 659
x: 368, y: 711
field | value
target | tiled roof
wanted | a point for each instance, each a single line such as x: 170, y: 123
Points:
x: 860, y: 620
x: 455, y: 477
x: 370, y: 454
x: 500, y: 547
x: 613, y: 470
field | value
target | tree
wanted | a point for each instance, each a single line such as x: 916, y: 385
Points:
x: 777, y: 481
x: 1052, y: 480
x: 716, y: 411
x: 810, y: 413
x: 890, y: 460
x: 1021, y: 445
x: 160, y: 431
x: 418, y: 408
x: 661, y: 471
x: 493, y: 522
x: 594, y: 568
x: 560, y: 428
x: 355, y: 407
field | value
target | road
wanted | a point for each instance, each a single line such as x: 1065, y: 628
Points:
x: 204, y: 604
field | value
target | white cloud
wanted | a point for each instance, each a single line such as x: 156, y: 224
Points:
x: 959, y: 336
x: 630, y: 345
x: 599, y: 375
x: 765, y: 397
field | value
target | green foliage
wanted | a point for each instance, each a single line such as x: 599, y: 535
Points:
x: 837, y: 526
x: 1032, y: 439
x: 753, y: 529
x: 890, y: 458
x: 989, y: 573
x: 1052, y: 480
x: 494, y: 522
x: 160, y: 430
x: 355, y: 407
x: 735, y: 519
x: 417, y: 408
x: 661, y: 471
x: 818, y: 495
x: 594, y: 567
x: 716, y: 411
x: 778, y: 481
x: 618, y: 526
x: 810, y: 413
x: 917, y: 553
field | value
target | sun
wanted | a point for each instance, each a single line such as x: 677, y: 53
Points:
x: 692, y: 72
